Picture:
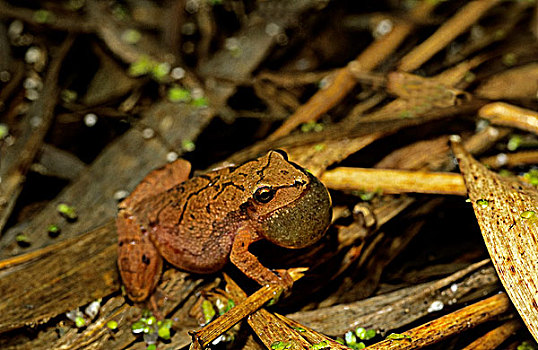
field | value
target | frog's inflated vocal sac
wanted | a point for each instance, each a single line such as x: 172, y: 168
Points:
x: 198, y: 224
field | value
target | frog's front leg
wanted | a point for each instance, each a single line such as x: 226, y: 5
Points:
x: 251, y: 266
x: 139, y: 262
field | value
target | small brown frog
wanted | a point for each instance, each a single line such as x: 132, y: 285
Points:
x: 198, y: 224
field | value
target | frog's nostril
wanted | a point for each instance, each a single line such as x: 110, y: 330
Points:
x: 145, y: 259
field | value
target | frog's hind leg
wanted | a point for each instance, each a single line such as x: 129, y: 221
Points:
x: 139, y: 262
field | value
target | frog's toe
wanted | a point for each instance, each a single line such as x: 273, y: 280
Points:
x: 284, y: 279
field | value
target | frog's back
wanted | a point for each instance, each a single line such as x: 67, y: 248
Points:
x: 197, y: 221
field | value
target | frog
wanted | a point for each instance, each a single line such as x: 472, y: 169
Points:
x: 200, y: 224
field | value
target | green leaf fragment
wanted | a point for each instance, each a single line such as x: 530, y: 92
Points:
x: 350, y: 338
x: 299, y: 329
x: 67, y: 211
x: 208, y: 311
x: 142, y: 66
x: 151, y: 320
x: 200, y: 102
x: 526, y: 345
x: 43, y: 16
x: 188, y: 145
x: 138, y: 327
x: 482, y: 202
x: 152, y: 347
x: 364, y: 334
x: 178, y: 94
x: 112, y: 325
x: 531, y: 177
x: 68, y: 96
x: 311, y: 126
x: 319, y: 147
x: 318, y: 346
x: 131, y: 36
x: 164, y: 333
x: 22, y: 238
x: 371, y: 333
x: 80, y: 322
x: 53, y: 230
x: 4, y: 131
x: 164, y: 328
x: 398, y: 336
x: 514, y: 142
x: 160, y: 70
x: 529, y: 215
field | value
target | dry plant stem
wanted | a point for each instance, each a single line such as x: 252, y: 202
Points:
x: 456, y: 25
x: 43, y: 109
x: 511, y: 160
x: 495, y: 337
x: 515, y: 83
x: 380, y: 312
x: 271, y: 329
x: 311, y: 335
x: 344, y: 80
x: 501, y: 113
x: 394, y: 181
x: 210, y: 332
x: 510, y: 235
x: 449, y: 325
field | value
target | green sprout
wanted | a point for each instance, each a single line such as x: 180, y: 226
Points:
x: 398, y: 336
x: 113, y: 325
x: 148, y: 324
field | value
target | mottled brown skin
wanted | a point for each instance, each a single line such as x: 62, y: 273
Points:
x: 199, y: 224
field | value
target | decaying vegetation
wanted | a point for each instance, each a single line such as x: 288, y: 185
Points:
x: 403, y: 108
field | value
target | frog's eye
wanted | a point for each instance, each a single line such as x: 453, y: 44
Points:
x: 264, y: 194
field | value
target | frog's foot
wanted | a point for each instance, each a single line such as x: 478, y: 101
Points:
x: 154, y: 305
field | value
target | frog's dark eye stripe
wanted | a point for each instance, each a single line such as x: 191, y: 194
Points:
x: 264, y: 194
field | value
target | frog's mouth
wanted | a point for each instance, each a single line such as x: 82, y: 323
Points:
x: 303, y: 221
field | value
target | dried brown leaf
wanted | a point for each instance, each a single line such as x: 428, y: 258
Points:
x: 504, y: 210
